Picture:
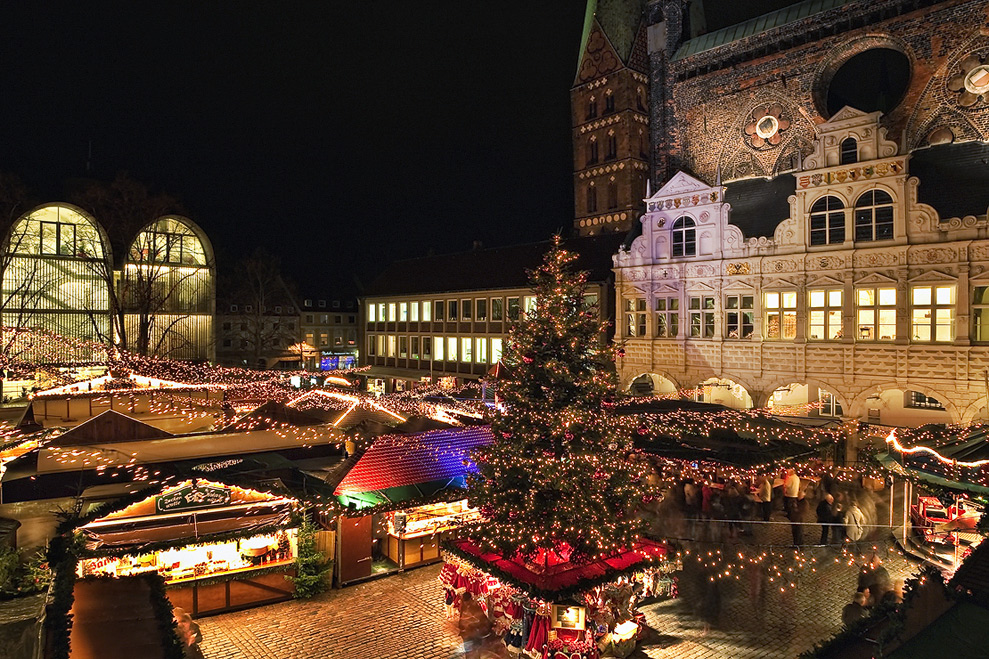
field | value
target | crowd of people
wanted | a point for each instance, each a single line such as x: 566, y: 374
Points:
x: 874, y: 588
x: 713, y: 507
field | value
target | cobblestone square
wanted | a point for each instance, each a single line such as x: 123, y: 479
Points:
x: 402, y: 616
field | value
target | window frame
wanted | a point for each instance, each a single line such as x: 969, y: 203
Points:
x: 934, y: 322
x: 865, y: 215
x: 736, y: 311
x: 878, y: 309
x: 667, y: 315
x: 683, y: 235
x: 831, y: 314
x: 829, y: 215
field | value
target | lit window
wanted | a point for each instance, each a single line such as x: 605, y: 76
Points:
x: 739, y: 316
x: 921, y: 401
x: 466, y: 348
x: 635, y: 316
x: 381, y: 313
x: 58, y: 238
x: 667, y: 317
x: 391, y: 313
x: 933, y: 313
x: 403, y: 312
x: 391, y: 346
x: 496, y: 350
x: 451, y: 348
x: 980, y: 313
x: 497, y: 309
x: 781, y: 315
x: 481, y: 351
x: 438, y: 348
x: 829, y: 404
x: 684, y: 237
x: 701, y: 317
x: 827, y: 221
x: 530, y: 303
x: 513, y: 308
x: 876, y: 314
x: 414, y: 312
x: 370, y: 346
x: 874, y: 216
x: 825, y: 315
x: 381, y: 344
x: 427, y: 311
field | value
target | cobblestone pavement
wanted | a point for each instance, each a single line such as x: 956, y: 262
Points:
x: 395, y: 617
x: 402, y: 616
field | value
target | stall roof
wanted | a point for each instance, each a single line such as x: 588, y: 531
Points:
x: 273, y: 414
x: 960, y: 462
x: 721, y: 445
x: 397, y: 467
x: 109, y: 427
x: 564, y: 579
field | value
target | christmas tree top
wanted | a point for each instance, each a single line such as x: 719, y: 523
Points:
x: 556, y: 484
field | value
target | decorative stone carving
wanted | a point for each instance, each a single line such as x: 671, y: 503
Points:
x: 766, y: 127
x: 737, y: 268
x: 970, y: 82
x: 876, y: 259
x: 933, y: 255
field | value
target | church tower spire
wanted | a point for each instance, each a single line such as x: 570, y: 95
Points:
x: 610, y: 117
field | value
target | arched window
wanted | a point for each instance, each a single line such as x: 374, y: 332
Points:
x: 592, y: 108
x: 612, y: 146
x: 592, y: 198
x: 592, y: 150
x: 609, y: 102
x: 684, y: 237
x: 874, y: 216
x: 849, y: 151
x: 612, y: 194
x: 827, y: 221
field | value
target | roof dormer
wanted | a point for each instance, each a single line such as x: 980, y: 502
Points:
x: 850, y: 136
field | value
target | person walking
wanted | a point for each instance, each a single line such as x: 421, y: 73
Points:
x: 825, y: 517
x: 764, y: 496
x: 854, y: 525
x: 791, y: 504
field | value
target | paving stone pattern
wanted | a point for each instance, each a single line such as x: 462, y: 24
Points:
x: 402, y: 616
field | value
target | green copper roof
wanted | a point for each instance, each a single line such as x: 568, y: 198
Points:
x: 755, y: 26
x: 620, y: 21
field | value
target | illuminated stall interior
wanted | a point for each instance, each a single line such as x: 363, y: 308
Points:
x: 403, y: 492
x: 944, y: 484
x: 218, y: 547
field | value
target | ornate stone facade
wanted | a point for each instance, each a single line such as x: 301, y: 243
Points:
x: 862, y: 290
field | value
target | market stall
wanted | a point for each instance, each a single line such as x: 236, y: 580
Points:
x: 414, y: 535
x: 944, y: 490
x: 218, y: 547
x: 404, y: 494
x: 557, y: 609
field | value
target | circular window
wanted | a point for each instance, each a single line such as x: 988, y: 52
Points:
x: 873, y: 80
x: 767, y: 127
x: 977, y: 80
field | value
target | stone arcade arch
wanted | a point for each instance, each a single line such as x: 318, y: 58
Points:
x: 723, y: 391
x: 652, y: 384
x: 809, y: 398
x: 907, y: 405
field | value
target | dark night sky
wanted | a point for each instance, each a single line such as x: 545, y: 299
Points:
x: 338, y: 134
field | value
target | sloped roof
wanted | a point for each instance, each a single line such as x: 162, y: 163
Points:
x: 619, y: 19
x: 973, y: 574
x: 402, y: 460
x: 954, y: 178
x: 759, y: 205
x: 756, y: 25
x: 109, y: 427
x: 488, y: 269
x: 273, y: 414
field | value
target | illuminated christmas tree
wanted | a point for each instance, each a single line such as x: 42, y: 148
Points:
x: 557, y: 481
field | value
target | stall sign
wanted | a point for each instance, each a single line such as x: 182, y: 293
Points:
x: 568, y: 617
x: 192, y: 496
